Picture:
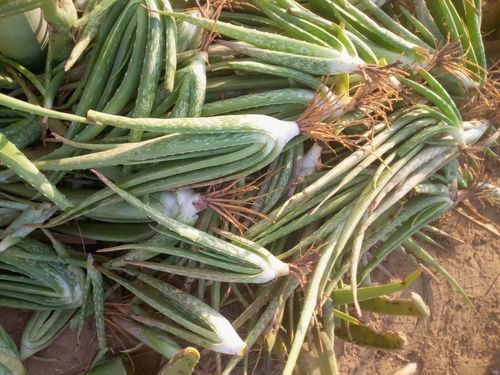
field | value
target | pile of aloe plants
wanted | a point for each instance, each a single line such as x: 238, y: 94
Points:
x: 221, y: 180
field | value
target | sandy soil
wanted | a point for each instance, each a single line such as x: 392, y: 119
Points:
x: 457, y: 338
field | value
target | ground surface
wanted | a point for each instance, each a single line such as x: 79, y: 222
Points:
x: 457, y: 339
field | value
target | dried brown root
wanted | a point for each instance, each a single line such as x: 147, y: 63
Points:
x: 485, y: 194
x: 304, y: 265
x: 488, y: 195
x: 374, y: 97
x: 480, y: 191
x: 114, y: 313
x: 453, y: 60
x: 64, y: 96
x: 485, y: 101
x: 480, y: 188
x: 382, y: 79
x: 325, y: 105
x: 235, y: 203
x: 472, y: 215
x: 210, y: 10
x: 238, y: 5
x: 378, y: 91
x: 321, y: 119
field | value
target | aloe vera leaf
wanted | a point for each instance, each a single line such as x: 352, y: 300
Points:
x: 269, y: 266
x: 413, y: 306
x: 110, y: 232
x: 11, y: 7
x: 196, y: 321
x: 23, y: 225
x: 344, y: 296
x: 10, y: 363
x: 279, y: 295
x: 7, y: 216
x: 425, y: 257
x: 61, y: 16
x: 42, y: 329
x: 24, y: 168
x: 317, y: 359
x: 345, y: 317
x: 114, y: 366
x: 182, y: 364
x: 366, y: 336
x: 98, y: 298
x: 85, y: 307
x: 427, y: 239
x: 411, y: 226
x: 92, y: 21
x: 154, y: 338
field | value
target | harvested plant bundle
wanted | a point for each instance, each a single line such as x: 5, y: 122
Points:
x: 235, y: 172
